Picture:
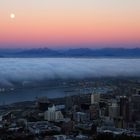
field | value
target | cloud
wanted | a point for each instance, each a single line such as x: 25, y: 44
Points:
x: 38, y: 69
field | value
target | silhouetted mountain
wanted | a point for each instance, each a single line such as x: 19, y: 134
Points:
x: 80, y: 52
x: 9, y: 52
x: 41, y: 52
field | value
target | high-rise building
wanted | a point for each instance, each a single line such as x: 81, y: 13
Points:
x: 95, y: 98
x: 124, y: 108
x: 114, y: 110
x: 135, y: 101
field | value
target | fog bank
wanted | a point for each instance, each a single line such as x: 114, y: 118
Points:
x: 38, y: 69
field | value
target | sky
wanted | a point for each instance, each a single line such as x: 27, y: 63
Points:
x: 73, y: 23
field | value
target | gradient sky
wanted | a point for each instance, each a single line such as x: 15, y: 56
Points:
x: 53, y: 23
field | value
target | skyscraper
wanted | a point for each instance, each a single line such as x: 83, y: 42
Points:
x: 124, y: 109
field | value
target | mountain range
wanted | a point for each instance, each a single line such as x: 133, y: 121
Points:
x: 77, y: 52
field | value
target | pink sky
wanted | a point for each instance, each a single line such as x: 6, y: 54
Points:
x: 66, y: 22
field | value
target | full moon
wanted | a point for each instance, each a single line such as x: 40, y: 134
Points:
x: 12, y: 16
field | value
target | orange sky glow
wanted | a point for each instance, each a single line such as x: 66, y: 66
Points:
x: 65, y: 22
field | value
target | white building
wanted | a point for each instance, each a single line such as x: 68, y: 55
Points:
x: 52, y: 114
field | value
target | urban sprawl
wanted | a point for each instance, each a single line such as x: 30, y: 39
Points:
x: 102, y: 109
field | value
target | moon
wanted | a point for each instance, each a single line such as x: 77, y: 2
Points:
x: 12, y: 15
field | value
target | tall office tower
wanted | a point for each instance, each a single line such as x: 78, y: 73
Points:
x: 135, y: 101
x: 124, y: 108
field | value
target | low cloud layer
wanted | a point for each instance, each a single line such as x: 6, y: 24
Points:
x: 19, y: 70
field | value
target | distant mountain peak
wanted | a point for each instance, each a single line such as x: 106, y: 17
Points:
x: 75, y: 52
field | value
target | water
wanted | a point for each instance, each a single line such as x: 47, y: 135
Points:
x: 30, y: 94
x: 19, y: 71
